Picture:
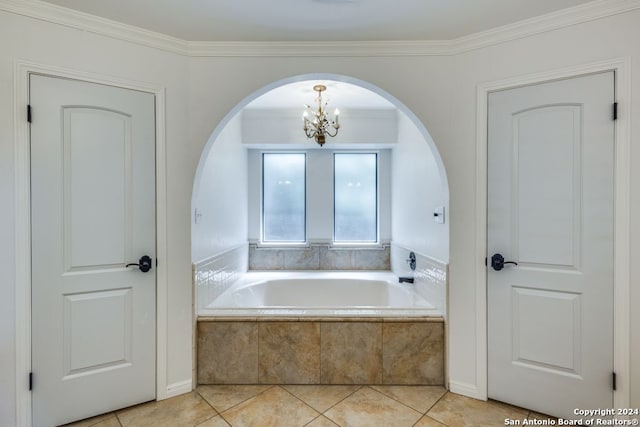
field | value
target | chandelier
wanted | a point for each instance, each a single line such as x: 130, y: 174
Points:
x: 321, y: 125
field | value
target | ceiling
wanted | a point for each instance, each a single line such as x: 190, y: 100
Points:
x: 338, y: 95
x: 317, y: 20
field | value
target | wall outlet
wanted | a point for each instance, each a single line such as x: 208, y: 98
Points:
x: 197, y: 216
x: 438, y: 215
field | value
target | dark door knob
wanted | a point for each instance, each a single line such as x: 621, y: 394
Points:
x: 144, y: 264
x: 498, y: 262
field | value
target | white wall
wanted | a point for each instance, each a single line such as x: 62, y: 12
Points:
x: 598, y: 40
x: 221, y: 196
x: 32, y: 40
x: 416, y: 190
x: 440, y: 90
x: 320, y: 194
x: 359, y: 128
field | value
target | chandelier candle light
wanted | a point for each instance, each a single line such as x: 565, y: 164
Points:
x: 321, y: 124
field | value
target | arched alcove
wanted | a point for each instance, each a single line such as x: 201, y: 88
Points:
x: 224, y: 209
x: 322, y: 76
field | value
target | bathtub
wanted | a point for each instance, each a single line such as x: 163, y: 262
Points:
x: 320, y: 293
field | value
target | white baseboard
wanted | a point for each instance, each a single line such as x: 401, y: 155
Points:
x: 177, y: 389
x: 466, y: 389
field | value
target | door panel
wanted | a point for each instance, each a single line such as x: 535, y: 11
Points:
x: 549, y: 136
x: 97, y: 190
x: 93, y: 343
x: 550, y: 209
x: 549, y: 342
x: 93, y: 211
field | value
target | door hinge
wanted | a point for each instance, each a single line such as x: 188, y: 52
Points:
x: 485, y: 261
x: 615, y: 111
x: 30, y: 381
x: 613, y: 381
x: 29, y: 113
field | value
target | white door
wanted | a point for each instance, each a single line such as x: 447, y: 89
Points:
x: 92, y: 212
x: 550, y: 209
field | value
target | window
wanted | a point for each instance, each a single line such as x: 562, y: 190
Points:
x: 355, y: 195
x: 283, y: 197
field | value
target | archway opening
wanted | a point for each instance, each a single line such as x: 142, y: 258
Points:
x: 412, y: 198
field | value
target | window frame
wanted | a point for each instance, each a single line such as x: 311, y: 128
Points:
x: 357, y: 243
x: 276, y: 243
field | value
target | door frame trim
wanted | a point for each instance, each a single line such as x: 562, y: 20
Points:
x: 22, y: 188
x: 622, y: 173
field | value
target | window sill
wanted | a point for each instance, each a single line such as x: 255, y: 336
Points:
x: 356, y: 245
x: 329, y: 245
x: 282, y: 245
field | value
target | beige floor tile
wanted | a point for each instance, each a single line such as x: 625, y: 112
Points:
x: 420, y: 398
x: 216, y: 421
x: 507, y: 406
x: 321, y: 397
x: 322, y: 421
x: 106, y: 420
x: 458, y: 411
x: 223, y: 397
x: 186, y: 410
x: 274, y: 407
x: 427, y: 421
x: 367, y: 407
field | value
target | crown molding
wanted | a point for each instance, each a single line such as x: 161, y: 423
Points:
x: 83, y: 21
x: 552, y: 21
x: 322, y: 49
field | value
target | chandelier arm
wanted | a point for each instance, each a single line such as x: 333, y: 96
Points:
x: 321, y: 126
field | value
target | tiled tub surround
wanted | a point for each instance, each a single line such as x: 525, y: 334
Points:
x: 319, y: 256
x: 315, y: 347
x: 430, y: 275
x: 211, y: 277
x: 399, y: 351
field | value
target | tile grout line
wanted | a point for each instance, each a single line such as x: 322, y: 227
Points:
x: 118, y: 419
x: 381, y: 353
x: 239, y: 403
x: 436, y: 402
x: 258, y: 351
x: 226, y: 420
x: 282, y: 387
x: 329, y: 408
x: 98, y: 422
x: 342, y: 400
x: 396, y: 400
x: 410, y: 385
x: 208, y: 419
x: 320, y: 356
x: 431, y: 418
x: 210, y: 405
x: 433, y: 406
